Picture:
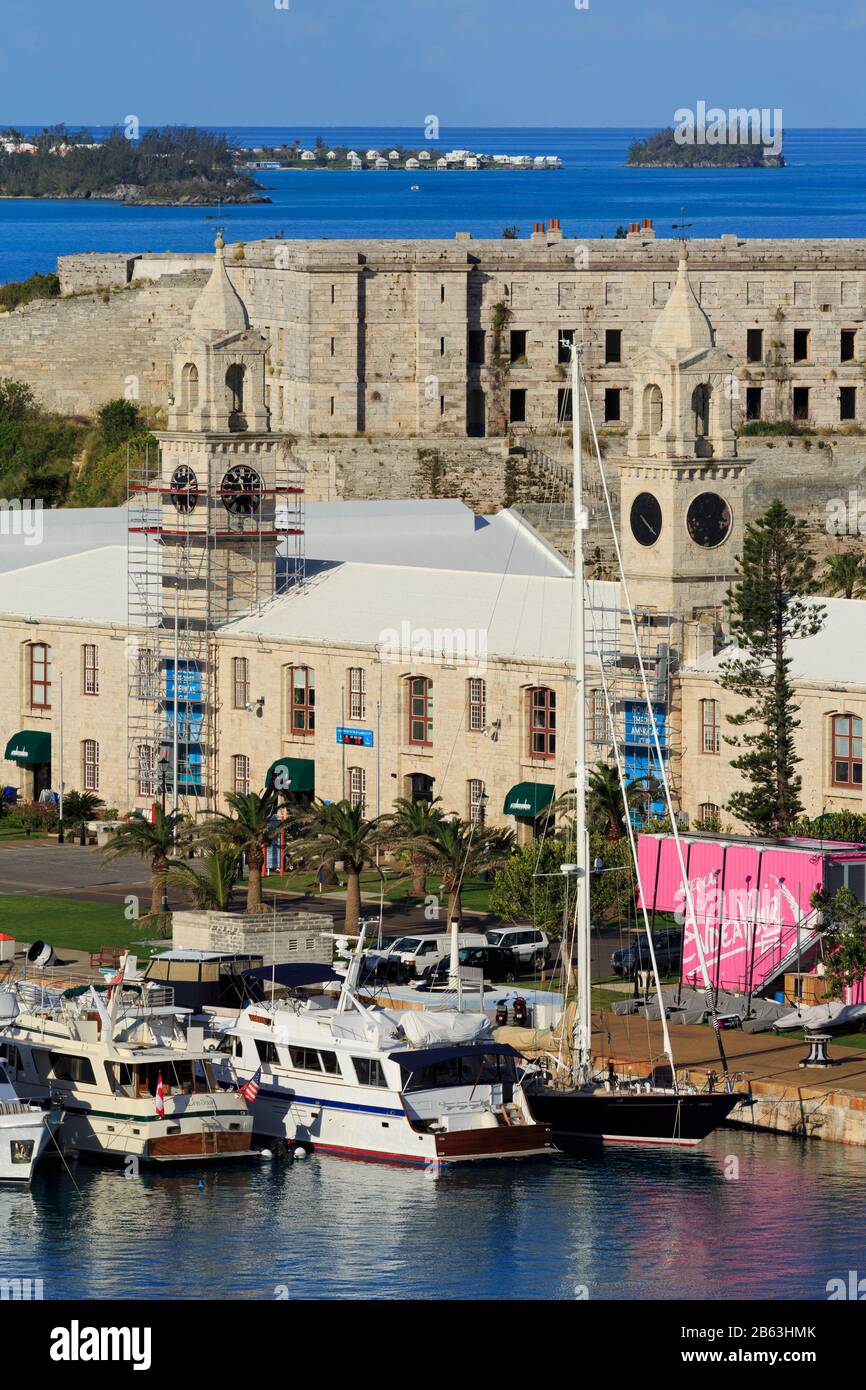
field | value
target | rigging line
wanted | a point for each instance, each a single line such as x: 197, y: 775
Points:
x: 634, y: 854
x: 656, y: 741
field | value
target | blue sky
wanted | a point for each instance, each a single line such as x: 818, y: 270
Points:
x: 470, y: 62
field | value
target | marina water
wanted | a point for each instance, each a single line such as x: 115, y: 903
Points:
x: 821, y: 193
x: 747, y: 1216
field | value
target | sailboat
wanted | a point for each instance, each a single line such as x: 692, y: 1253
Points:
x: 579, y: 1103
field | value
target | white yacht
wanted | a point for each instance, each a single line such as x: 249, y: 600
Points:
x: 424, y: 1086
x: 130, y: 1074
x: 25, y: 1131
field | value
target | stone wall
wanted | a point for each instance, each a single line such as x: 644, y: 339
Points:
x: 286, y: 937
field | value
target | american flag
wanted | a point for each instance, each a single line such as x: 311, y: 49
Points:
x: 250, y: 1089
x: 160, y: 1096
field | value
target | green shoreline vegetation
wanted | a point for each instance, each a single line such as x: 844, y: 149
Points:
x: 663, y: 151
x: 174, y: 165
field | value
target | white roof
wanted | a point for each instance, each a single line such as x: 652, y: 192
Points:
x: 836, y: 656
x: 88, y: 587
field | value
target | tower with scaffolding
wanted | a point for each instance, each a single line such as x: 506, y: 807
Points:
x: 216, y: 529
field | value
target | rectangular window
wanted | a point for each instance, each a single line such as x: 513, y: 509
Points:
x: 613, y: 346
x: 333, y: 347
x: 847, y: 402
x: 801, y: 402
x: 847, y: 344
x: 612, y: 292
x: 542, y: 722
x: 754, y: 403
x: 517, y: 407
x: 441, y: 405
x: 357, y: 692
x: 305, y: 1059
x: 241, y: 778
x: 612, y: 405
x: 420, y: 710
x: 598, y: 716
x: 475, y: 801
x: 302, y: 701
x: 709, y: 293
x: 369, y: 1071
x: 40, y: 676
x: 565, y: 344
x: 563, y: 405
x: 708, y: 810
x: 268, y: 1053
x: 518, y: 344
x: 441, y: 347
x: 146, y: 760
x: 755, y: 345
x: 802, y: 340
x: 476, y: 347
x: 711, y: 734
x: 90, y: 669
x: 240, y: 681
x: 90, y: 765
x: 358, y: 788
x: 477, y: 704
x: 847, y: 766
x: 148, y: 674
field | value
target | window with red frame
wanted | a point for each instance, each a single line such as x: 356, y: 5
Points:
x: 477, y: 704
x: 90, y: 659
x: 420, y: 710
x: 40, y: 676
x: 302, y: 701
x: 542, y: 722
x: 847, y: 767
x: 241, y: 681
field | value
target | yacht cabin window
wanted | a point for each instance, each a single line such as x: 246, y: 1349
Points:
x: 369, y: 1071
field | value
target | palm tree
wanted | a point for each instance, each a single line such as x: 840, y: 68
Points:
x: 604, y: 800
x: 211, y: 883
x: 153, y: 840
x: 339, y: 830
x: 846, y: 574
x: 407, y: 827
x: 249, y: 828
x: 458, y: 849
x: 80, y: 807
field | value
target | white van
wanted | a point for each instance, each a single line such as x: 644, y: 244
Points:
x: 421, y: 953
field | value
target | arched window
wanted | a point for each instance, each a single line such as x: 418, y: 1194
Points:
x: 701, y: 410
x: 653, y: 409
x: 235, y: 384
x: 420, y: 709
x: 542, y: 722
x: 476, y: 801
x: 189, y: 386
x: 847, y: 761
x: 302, y: 701
x: 40, y: 676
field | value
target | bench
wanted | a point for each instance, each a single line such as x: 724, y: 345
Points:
x: 105, y: 956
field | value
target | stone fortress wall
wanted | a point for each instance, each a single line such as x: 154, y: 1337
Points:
x: 391, y: 361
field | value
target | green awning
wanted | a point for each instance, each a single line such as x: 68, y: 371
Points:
x: 527, y: 800
x: 30, y: 746
x: 292, y: 775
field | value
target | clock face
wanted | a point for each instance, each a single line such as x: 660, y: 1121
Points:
x: 183, y: 489
x: 709, y: 520
x: 646, y: 519
x: 241, y: 490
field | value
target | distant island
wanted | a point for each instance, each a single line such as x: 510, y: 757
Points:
x: 664, y: 151
x: 163, y: 167
x: 321, y: 155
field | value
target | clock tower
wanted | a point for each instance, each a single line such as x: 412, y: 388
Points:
x: 682, y: 485
x: 208, y: 517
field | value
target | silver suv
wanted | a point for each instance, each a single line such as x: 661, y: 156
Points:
x: 530, y: 946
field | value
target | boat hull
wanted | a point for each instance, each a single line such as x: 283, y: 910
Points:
x: 631, y: 1117
x: 23, y: 1140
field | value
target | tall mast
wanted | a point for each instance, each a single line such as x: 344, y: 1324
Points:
x: 583, y: 1038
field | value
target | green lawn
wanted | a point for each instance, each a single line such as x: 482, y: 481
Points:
x: 398, y: 888
x: 14, y: 833
x: 67, y: 924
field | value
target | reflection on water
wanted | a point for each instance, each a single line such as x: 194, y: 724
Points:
x: 749, y: 1216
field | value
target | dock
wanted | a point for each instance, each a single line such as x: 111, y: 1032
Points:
x: 778, y: 1095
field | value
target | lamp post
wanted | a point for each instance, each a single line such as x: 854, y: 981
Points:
x: 60, y: 836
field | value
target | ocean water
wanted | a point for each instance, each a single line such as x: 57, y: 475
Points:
x: 747, y: 1216
x: 822, y: 193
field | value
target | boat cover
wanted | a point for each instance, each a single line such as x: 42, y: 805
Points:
x: 294, y: 975
x: 821, y: 1016
x: 426, y: 1027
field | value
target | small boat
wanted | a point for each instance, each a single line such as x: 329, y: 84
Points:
x: 129, y: 1072
x: 428, y: 1087
x: 25, y: 1131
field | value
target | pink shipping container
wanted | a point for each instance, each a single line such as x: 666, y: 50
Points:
x: 752, y: 902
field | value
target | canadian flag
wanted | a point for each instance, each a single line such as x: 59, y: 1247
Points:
x: 160, y: 1096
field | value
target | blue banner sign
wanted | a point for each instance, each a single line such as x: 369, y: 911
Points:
x: 357, y: 738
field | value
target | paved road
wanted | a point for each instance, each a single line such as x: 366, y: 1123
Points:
x: 80, y: 873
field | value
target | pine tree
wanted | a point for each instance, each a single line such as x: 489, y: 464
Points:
x: 768, y: 610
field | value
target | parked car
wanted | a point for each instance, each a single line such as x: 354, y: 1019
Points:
x: 497, y: 962
x: 420, y: 953
x: 629, y: 959
x: 531, y: 947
